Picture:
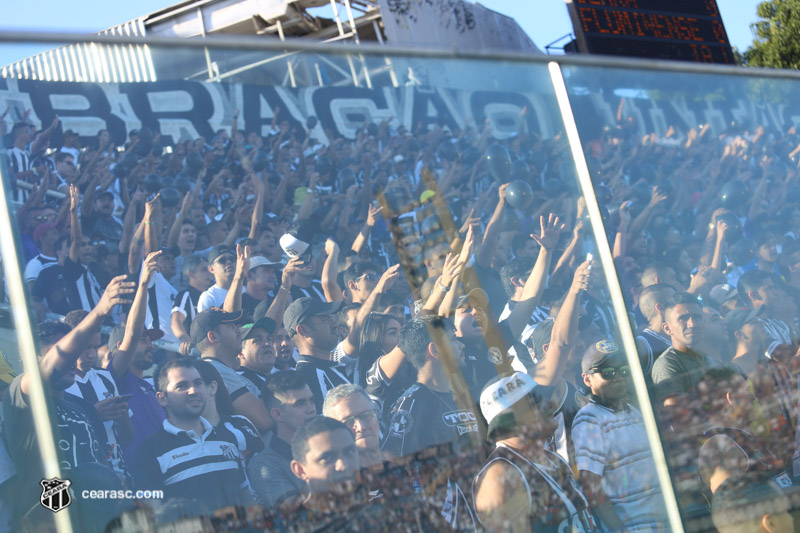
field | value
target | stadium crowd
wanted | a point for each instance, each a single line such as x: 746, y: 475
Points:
x: 407, y: 330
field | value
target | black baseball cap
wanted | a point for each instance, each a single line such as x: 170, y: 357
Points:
x: 601, y: 352
x: 265, y: 323
x: 118, y: 333
x: 303, y: 308
x: 219, y: 250
x: 739, y: 317
x: 211, y: 319
x: 541, y: 336
x: 174, y: 251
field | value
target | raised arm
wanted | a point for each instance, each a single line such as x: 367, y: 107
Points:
x: 129, y: 223
x: 61, y: 358
x: 330, y: 270
x: 87, y: 208
x: 233, y: 300
x: 621, y: 238
x: 134, y: 327
x: 363, y: 235
x: 565, y: 330
x: 258, y: 210
x: 641, y: 221
x: 42, y: 139
x: 175, y: 230
x: 284, y: 295
x: 443, y: 286
x: 149, y: 222
x: 74, y: 224
x: 534, y: 285
x: 722, y: 230
x: 492, y: 234
x: 350, y: 343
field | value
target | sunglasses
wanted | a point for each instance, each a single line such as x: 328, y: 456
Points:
x: 371, y: 278
x: 610, y: 373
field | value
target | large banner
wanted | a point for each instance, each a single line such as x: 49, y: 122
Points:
x: 191, y: 109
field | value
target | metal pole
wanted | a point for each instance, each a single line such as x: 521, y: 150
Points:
x: 617, y: 301
x: 45, y: 438
x: 203, y: 35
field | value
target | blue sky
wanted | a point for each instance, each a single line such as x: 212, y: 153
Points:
x: 543, y: 20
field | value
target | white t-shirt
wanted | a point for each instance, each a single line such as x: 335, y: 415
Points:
x: 212, y: 297
x: 35, y: 266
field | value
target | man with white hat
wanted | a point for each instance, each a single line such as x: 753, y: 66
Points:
x: 303, y: 283
x: 523, y: 486
x: 261, y: 281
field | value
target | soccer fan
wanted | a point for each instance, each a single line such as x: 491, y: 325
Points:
x: 615, y: 464
x: 216, y: 336
x: 290, y: 403
x: 523, y: 486
x: 188, y: 458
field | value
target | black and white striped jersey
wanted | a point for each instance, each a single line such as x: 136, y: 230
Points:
x: 207, y: 468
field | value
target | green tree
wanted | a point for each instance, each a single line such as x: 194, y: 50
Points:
x: 776, y: 33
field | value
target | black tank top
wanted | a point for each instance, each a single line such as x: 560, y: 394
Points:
x: 557, y: 502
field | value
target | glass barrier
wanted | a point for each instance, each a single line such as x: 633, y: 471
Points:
x: 219, y: 243
x: 697, y: 177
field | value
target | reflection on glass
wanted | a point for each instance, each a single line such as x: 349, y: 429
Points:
x: 698, y: 177
x: 397, y: 244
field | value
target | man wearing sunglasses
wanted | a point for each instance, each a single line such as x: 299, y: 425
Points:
x: 222, y: 265
x: 615, y: 465
x: 360, y: 280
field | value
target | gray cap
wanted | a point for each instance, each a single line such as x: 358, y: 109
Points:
x: 118, y: 333
x: 304, y: 308
x: 265, y: 323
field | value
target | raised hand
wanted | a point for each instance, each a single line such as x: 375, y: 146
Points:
x: 188, y: 200
x: 149, y: 268
x: 466, y: 248
x: 115, y: 294
x: 74, y: 197
x: 292, y: 267
x: 705, y: 277
x: 501, y: 192
x: 625, y: 213
x: 657, y: 197
x: 451, y: 270
x: 470, y: 221
x: 330, y: 246
x: 577, y: 231
x: 582, y: 277
x: 722, y: 229
x: 242, y: 258
x: 550, y: 232
x: 372, y: 216
x: 388, y: 278
x: 151, y: 207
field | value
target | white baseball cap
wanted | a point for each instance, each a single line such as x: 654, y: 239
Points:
x: 502, y: 394
x: 293, y: 246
